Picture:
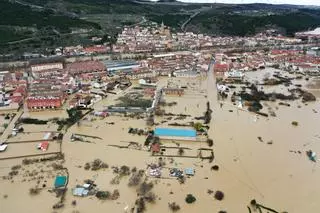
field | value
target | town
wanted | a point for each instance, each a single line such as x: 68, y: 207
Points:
x: 144, y: 120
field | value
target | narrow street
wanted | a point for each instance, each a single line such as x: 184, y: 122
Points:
x: 8, y: 130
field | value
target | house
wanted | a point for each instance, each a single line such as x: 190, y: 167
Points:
x: 189, y: 171
x: 220, y: 69
x: 155, y: 148
x: 47, y: 66
x: 149, y: 91
x: 146, y: 83
x: 49, y: 102
x: 45, y: 94
x: 85, y: 102
x: 101, y: 114
x: 141, y: 74
x: 80, y: 192
x: 82, y: 67
x: 234, y: 76
x: 3, y: 147
x: 185, y: 74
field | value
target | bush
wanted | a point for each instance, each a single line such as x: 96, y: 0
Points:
x: 141, y: 205
x: 16, y: 167
x: 150, y: 197
x: 197, y: 126
x: 102, y: 195
x: 56, y: 166
x: 215, y: 168
x: 190, y: 199
x: 34, y: 191
x: 210, y: 142
x: 174, y: 207
x: 13, y: 173
x: 294, y: 123
x: 98, y: 164
x: 136, y: 178
x: 115, y: 195
x: 145, y: 187
x: 87, y: 166
x: 180, y: 151
x: 124, y: 171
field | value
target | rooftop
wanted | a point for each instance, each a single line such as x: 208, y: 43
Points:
x: 175, y: 132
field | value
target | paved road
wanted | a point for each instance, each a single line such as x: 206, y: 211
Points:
x: 189, y: 19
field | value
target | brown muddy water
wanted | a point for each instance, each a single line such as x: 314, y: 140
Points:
x: 274, y: 170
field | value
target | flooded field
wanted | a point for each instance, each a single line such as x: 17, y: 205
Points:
x: 261, y: 158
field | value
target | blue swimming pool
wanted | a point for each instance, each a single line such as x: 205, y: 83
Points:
x: 175, y: 132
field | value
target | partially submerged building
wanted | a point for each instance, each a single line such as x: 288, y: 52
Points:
x: 173, y: 91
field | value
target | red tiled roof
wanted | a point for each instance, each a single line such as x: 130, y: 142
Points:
x: 155, y: 147
x: 85, y: 66
x: 44, y: 145
x: 96, y: 49
x: 44, y: 102
x: 221, y: 67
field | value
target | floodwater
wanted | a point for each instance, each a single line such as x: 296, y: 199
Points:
x: 276, y: 172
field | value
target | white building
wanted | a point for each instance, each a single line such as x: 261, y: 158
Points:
x: 49, y: 66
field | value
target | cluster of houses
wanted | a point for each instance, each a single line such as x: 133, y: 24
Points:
x: 234, y: 65
x: 155, y: 38
x: 48, y: 84
x: 158, y: 38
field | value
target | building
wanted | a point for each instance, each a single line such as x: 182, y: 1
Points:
x: 173, y: 91
x: 121, y: 66
x: 234, y: 76
x: 81, y: 67
x: 140, y: 74
x: 44, y: 102
x: 220, y: 69
x: 186, y: 74
x: 309, y: 34
x: 47, y: 66
x: 45, y: 95
x: 146, y: 83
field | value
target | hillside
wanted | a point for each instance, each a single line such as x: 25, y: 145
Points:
x: 242, y: 24
x: 50, y: 23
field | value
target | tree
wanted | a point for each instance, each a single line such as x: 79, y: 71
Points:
x: 74, y: 115
x: 210, y: 142
x: 219, y: 195
x: 190, y: 199
x: 180, y: 151
x: 174, y: 207
x: 197, y: 126
x: 102, y: 195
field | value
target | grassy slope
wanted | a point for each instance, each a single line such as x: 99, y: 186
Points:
x: 241, y: 25
x: 18, y: 15
x: 218, y: 21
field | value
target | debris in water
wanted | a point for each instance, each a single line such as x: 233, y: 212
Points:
x: 312, y: 155
x: 270, y: 142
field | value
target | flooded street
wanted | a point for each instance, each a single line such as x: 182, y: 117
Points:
x: 269, y: 173
x: 261, y: 158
